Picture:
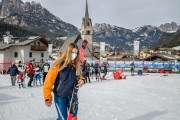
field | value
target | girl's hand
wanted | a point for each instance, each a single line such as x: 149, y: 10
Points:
x: 48, y: 104
x: 80, y: 83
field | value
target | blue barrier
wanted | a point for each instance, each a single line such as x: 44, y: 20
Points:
x: 141, y: 64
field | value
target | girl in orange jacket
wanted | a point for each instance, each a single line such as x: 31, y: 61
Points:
x: 63, y: 76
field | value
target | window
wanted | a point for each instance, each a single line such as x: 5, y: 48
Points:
x: 38, y: 43
x: 15, y: 54
x: 30, y: 54
x: 88, y: 32
x: 42, y: 54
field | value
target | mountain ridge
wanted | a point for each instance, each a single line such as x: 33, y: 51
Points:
x: 33, y: 16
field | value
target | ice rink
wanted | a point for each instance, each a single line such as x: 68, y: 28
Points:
x: 147, y: 97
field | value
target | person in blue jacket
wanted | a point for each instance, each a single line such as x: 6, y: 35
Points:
x: 13, y: 71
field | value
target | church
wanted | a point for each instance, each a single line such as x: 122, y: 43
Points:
x: 86, y: 34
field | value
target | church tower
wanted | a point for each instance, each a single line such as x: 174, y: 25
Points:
x: 87, y: 29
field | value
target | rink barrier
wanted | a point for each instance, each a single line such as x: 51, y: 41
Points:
x: 146, y: 66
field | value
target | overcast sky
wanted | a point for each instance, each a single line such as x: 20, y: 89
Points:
x: 123, y: 13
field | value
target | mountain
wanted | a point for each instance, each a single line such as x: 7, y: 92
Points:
x: 169, y: 40
x: 123, y: 38
x: 169, y: 27
x: 15, y: 30
x: 32, y: 16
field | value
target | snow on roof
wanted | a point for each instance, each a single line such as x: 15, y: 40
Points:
x: 33, y: 37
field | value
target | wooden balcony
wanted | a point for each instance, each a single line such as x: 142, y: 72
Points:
x: 38, y: 48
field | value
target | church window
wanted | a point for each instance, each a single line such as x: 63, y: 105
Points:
x: 88, y: 32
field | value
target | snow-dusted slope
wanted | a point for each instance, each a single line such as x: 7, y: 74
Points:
x: 150, y: 97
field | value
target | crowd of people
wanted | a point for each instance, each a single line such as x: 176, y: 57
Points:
x: 37, y: 71
x: 34, y: 71
x: 94, y: 70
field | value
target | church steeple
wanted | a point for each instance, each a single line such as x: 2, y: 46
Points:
x: 86, y: 27
x: 86, y: 13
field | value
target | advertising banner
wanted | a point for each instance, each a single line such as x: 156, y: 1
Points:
x: 148, y: 64
x: 158, y: 65
x: 178, y: 65
x: 102, y: 49
x: 127, y: 64
x: 136, y: 48
x: 120, y: 64
x: 139, y: 64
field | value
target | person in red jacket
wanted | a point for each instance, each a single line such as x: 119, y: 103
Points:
x: 30, y: 72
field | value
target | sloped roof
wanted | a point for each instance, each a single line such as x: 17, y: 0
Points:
x: 24, y: 41
x: 75, y: 39
x: 162, y: 56
x: 70, y: 39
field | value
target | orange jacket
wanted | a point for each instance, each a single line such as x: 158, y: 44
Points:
x: 49, y: 82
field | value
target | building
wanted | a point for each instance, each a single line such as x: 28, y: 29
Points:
x: 87, y: 29
x: 78, y: 41
x: 24, y: 49
x: 86, y: 34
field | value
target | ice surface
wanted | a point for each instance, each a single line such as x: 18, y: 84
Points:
x: 147, y: 97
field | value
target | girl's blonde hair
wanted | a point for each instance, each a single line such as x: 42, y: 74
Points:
x: 65, y: 58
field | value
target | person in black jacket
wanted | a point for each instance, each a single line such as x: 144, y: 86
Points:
x: 97, y: 71
x: 104, y: 65
x: 13, y: 71
x: 84, y: 69
x: 64, y: 75
x: 87, y: 72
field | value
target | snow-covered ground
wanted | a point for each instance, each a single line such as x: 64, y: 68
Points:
x: 148, y: 97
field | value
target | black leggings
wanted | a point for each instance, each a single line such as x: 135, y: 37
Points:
x: 88, y: 77
x: 97, y: 73
x: 105, y: 73
x: 31, y: 75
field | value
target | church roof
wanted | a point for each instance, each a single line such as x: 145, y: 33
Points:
x: 75, y: 39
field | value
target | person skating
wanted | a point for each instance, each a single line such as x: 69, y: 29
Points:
x: 13, y: 71
x: 104, y: 70
x: 132, y: 68
x: 21, y: 75
x: 88, y: 72
x: 37, y: 74
x: 63, y: 76
x: 97, y: 71
x: 84, y: 69
x: 30, y: 72
x: 45, y: 70
x: 92, y: 70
